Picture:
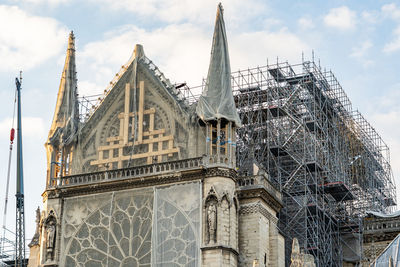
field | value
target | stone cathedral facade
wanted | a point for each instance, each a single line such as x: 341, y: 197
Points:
x: 149, y: 180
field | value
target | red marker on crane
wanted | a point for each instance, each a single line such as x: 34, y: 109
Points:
x: 12, y: 134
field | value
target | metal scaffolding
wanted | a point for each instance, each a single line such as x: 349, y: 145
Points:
x: 327, y: 160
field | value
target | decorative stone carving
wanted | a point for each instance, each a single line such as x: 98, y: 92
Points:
x: 50, y: 232
x: 298, y: 258
x: 35, y: 239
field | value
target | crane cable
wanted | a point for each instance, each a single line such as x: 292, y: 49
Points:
x: 12, y: 133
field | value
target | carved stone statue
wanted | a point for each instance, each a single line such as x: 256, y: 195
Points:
x: 51, y: 231
x: 212, y: 222
x: 50, y: 236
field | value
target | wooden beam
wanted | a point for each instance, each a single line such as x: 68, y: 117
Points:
x: 135, y: 156
x: 169, y: 138
x: 140, y: 112
x: 126, y: 112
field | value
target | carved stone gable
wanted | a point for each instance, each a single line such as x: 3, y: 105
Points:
x: 136, y: 136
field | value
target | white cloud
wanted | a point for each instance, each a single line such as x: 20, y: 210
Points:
x: 174, y: 11
x: 391, y: 10
x: 385, y: 116
x: 31, y: 127
x: 27, y: 40
x: 87, y: 88
x: 341, y: 18
x: 254, y: 48
x: 38, y: 2
x: 384, y: 123
x: 360, y: 52
x: 393, y: 45
x: 371, y: 17
x: 182, y: 52
x: 305, y: 23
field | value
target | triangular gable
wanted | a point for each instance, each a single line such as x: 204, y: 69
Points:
x: 140, y: 121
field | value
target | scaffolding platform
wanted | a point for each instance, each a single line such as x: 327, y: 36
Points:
x: 313, y: 167
x: 338, y: 190
x: 278, y: 151
x: 277, y: 74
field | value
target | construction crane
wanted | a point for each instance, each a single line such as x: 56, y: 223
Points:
x: 20, y: 210
x: 7, y: 246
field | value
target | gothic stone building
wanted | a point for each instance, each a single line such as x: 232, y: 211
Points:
x: 379, y: 232
x: 149, y: 180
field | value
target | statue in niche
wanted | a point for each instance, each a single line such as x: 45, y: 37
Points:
x: 50, y: 228
x: 212, y: 222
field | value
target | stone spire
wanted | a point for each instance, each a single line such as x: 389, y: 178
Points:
x: 217, y: 100
x: 66, y: 115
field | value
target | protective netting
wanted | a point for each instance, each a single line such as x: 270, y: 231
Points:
x: 217, y: 101
x: 390, y: 254
x: 117, y: 229
x: 177, y: 225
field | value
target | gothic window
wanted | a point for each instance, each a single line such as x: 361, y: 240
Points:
x: 116, y: 234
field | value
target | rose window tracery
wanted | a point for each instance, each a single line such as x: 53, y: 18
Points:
x: 124, y: 229
x: 117, y: 234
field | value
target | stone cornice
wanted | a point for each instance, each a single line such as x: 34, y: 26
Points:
x: 220, y: 172
x: 261, y: 192
x: 257, y: 208
x: 126, y: 183
x: 379, y: 237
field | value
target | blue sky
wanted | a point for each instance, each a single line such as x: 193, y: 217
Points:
x: 358, y: 40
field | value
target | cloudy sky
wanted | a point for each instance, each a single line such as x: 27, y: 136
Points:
x: 358, y: 40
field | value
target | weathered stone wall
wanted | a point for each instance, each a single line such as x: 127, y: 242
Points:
x: 258, y: 237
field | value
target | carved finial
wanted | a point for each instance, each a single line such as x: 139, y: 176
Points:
x: 220, y: 8
x: 37, y: 219
x: 71, y: 40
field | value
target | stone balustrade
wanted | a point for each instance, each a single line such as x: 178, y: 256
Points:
x: 257, y: 181
x: 382, y: 225
x: 131, y: 172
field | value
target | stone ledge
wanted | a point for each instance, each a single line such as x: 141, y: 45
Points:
x: 221, y: 247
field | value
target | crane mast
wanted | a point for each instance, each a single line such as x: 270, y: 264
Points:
x: 20, y: 209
